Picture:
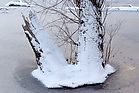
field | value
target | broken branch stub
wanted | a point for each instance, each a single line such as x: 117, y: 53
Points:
x: 34, y: 44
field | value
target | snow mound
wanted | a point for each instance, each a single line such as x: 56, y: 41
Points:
x: 72, y: 78
x: 56, y: 73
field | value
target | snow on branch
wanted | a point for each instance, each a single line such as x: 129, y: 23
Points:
x: 33, y: 41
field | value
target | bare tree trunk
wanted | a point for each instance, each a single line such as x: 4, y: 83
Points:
x: 48, y: 56
x: 30, y: 36
x: 89, y: 53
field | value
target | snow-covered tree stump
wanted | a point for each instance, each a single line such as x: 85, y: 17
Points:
x: 53, y: 70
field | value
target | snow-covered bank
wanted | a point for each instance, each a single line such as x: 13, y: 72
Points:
x: 124, y: 8
x: 18, y: 3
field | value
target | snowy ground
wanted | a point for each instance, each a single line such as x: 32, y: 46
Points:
x: 17, y: 61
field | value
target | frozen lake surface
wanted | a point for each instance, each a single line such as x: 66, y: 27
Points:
x: 17, y: 59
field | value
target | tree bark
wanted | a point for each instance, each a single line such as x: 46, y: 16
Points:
x: 30, y: 36
x: 89, y: 53
x: 48, y: 56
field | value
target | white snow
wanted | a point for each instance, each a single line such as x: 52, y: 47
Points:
x: 19, y: 3
x: 73, y: 9
x: 124, y: 8
x: 56, y: 72
x: 71, y: 77
x: 7, y: 8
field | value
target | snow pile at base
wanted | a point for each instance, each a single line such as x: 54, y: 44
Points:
x: 56, y: 73
x: 72, y: 77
